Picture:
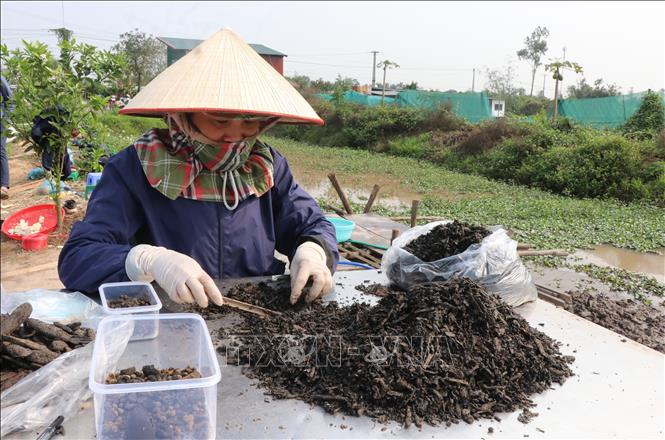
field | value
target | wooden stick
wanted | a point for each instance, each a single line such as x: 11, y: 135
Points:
x: 414, y: 212
x: 370, y: 202
x: 251, y: 308
x: 394, y: 235
x: 552, y: 252
x: 551, y: 299
x: 335, y: 210
x: 340, y: 193
x: 426, y: 218
x: 523, y: 246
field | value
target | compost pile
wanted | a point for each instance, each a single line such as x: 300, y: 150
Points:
x: 28, y: 344
x: 637, y: 321
x: 438, y: 353
x: 444, y: 241
x: 127, y: 301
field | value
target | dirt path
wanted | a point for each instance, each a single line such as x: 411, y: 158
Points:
x: 23, y: 270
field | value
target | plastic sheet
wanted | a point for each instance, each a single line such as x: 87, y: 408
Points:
x: 56, y: 306
x: 493, y: 263
x: 59, y: 387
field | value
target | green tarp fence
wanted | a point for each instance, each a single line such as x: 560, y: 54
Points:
x: 359, y: 98
x: 474, y: 107
x: 610, y: 112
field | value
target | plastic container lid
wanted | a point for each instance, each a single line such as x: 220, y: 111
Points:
x: 110, y: 332
x: 111, y: 291
x: 35, y: 242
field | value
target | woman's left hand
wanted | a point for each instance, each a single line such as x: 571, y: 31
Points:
x: 309, y: 262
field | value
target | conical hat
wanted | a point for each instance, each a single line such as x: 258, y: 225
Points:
x: 222, y: 74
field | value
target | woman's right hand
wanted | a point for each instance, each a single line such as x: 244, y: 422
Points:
x: 179, y: 275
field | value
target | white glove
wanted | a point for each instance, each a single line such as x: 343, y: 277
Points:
x: 309, y: 261
x: 179, y: 275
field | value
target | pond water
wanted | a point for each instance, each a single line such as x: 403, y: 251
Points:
x: 643, y: 262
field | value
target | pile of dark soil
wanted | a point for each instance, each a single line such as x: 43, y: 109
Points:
x: 633, y: 319
x: 439, y: 353
x: 28, y: 344
x: 446, y: 240
x: 151, y: 374
x: 129, y: 301
x: 377, y: 289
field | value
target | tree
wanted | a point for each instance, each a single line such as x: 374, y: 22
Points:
x: 385, y: 65
x: 501, y: 83
x: 535, y: 46
x: 48, y: 88
x: 557, y: 67
x: 599, y: 90
x: 145, y: 56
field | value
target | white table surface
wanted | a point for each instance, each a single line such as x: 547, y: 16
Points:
x: 617, y: 392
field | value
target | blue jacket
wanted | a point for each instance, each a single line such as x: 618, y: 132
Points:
x: 125, y: 210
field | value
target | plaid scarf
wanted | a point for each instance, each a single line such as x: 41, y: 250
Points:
x: 177, y: 166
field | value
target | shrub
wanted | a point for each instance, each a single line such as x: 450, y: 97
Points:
x: 487, y: 135
x: 648, y: 120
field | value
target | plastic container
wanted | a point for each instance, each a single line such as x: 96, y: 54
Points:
x: 92, y: 179
x: 31, y: 216
x: 343, y: 228
x: 35, y: 242
x: 91, y: 182
x: 133, y: 289
x: 183, y: 341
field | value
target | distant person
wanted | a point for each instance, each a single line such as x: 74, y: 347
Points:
x: 5, y: 109
x: 44, y: 133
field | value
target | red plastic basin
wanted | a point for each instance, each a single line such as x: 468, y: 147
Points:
x: 31, y: 216
x: 35, y: 242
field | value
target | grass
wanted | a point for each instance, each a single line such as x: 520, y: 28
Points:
x: 539, y: 218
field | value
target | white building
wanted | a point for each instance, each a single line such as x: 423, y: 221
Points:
x: 498, y: 107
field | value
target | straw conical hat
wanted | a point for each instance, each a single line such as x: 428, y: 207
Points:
x: 222, y: 74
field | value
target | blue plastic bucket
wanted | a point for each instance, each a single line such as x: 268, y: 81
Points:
x: 343, y: 228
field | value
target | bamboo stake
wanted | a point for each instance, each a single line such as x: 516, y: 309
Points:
x: 370, y: 202
x: 340, y: 193
x: 414, y: 212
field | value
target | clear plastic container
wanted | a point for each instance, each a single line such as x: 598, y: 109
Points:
x: 133, y: 289
x: 184, y: 409
x: 113, y: 291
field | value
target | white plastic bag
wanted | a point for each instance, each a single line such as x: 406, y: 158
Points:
x: 493, y: 263
x: 59, y: 387
x: 55, y: 306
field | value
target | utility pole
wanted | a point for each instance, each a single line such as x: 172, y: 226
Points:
x: 374, y: 69
x: 544, y: 77
x: 473, y: 82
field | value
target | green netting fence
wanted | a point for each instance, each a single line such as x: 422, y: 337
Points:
x: 609, y: 112
x: 474, y: 107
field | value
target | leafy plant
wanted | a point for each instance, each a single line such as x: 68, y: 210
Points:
x: 53, y: 90
x: 648, y: 120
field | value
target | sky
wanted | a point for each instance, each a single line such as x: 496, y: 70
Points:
x: 436, y: 44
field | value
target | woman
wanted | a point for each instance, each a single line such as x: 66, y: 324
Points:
x: 205, y: 198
